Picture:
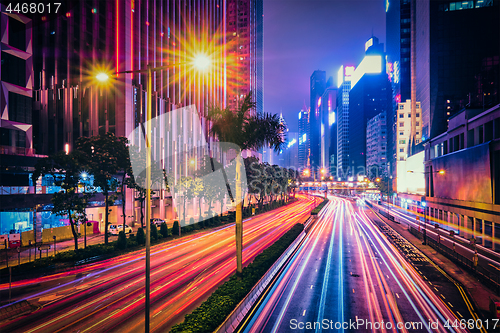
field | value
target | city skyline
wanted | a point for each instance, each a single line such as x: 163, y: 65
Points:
x: 323, y: 26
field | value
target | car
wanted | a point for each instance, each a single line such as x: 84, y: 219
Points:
x: 114, y: 229
x: 157, y: 221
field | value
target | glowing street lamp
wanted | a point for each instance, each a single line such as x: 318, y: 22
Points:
x: 201, y: 62
x: 103, y: 77
x: 306, y: 172
x: 377, y: 180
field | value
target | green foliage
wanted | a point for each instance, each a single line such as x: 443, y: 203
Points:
x: 316, y: 210
x: 65, y: 170
x: 211, y: 313
x: 175, y: 228
x: 164, y: 230
x: 154, y: 232
x: 105, y: 156
x: 121, y: 243
x: 140, y: 237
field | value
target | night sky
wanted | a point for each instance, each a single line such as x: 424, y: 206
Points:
x: 301, y: 36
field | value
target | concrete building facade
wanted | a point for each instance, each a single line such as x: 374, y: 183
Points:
x: 462, y: 175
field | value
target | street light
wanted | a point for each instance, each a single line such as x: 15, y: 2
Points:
x: 424, y: 204
x: 103, y: 77
x: 200, y: 62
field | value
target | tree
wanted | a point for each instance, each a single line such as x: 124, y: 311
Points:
x: 211, y: 190
x: 65, y: 170
x: 248, y: 130
x: 102, y: 154
x: 187, y: 186
x: 138, y: 181
x: 127, y: 178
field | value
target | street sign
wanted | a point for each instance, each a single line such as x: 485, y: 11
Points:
x: 43, y: 247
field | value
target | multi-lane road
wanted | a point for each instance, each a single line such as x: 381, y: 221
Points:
x: 109, y: 296
x: 347, y: 276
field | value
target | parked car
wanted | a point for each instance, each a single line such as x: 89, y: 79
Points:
x: 114, y: 229
x: 157, y: 221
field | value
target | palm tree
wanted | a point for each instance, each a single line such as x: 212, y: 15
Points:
x: 249, y: 131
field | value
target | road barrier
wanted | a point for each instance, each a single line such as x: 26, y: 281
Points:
x: 241, y: 310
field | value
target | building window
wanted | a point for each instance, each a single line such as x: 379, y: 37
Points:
x: 418, y: 115
x: 401, y: 115
x: 418, y: 133
x: 401, y: 150
x: 401, y: 133
x: 401, y: 124
x: 409, y: 115
x: 417, y: 123
x: 401, y: 106
x: 401, y: 158
x: 402, y: 142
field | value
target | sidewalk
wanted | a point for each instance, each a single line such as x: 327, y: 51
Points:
x: 61, y: 246
x: 477, y: 291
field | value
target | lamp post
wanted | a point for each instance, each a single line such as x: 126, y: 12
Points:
x: 424, y: 235
x: 201, y: 62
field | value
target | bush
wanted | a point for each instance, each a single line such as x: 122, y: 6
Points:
x: 140, y: 237
x: 175, y: 228
x: 211, y: 313
x: 164, y: 230
x: 316, y: 210
x: 121, y: 243
x: 154, y: 232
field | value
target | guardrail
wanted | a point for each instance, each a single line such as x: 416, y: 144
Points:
x: 241, y: 310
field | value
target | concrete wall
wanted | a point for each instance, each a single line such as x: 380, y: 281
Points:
x: 26, y: 237
x: 61, y: 233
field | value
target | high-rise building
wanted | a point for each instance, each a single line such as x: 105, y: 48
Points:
x: 376, y: 146
x: 245, y: 47
x: 457, y: 58
x: 304, y: 138
x: 398, y: 44
x: 317, y: 88
x: 55, y: 66
x: 291, y: 151
x: 370, y: 95
x: 344, y: 87
x: 404, y: 126
x: 16, y: 81
x: 328, y: 129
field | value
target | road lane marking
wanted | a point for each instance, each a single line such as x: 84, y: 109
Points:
x: 443, y: 296
x: 450, y: 304
x: 460, y: 314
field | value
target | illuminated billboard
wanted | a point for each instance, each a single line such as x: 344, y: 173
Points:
x: 370, y: 65
x: 344, y: 74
